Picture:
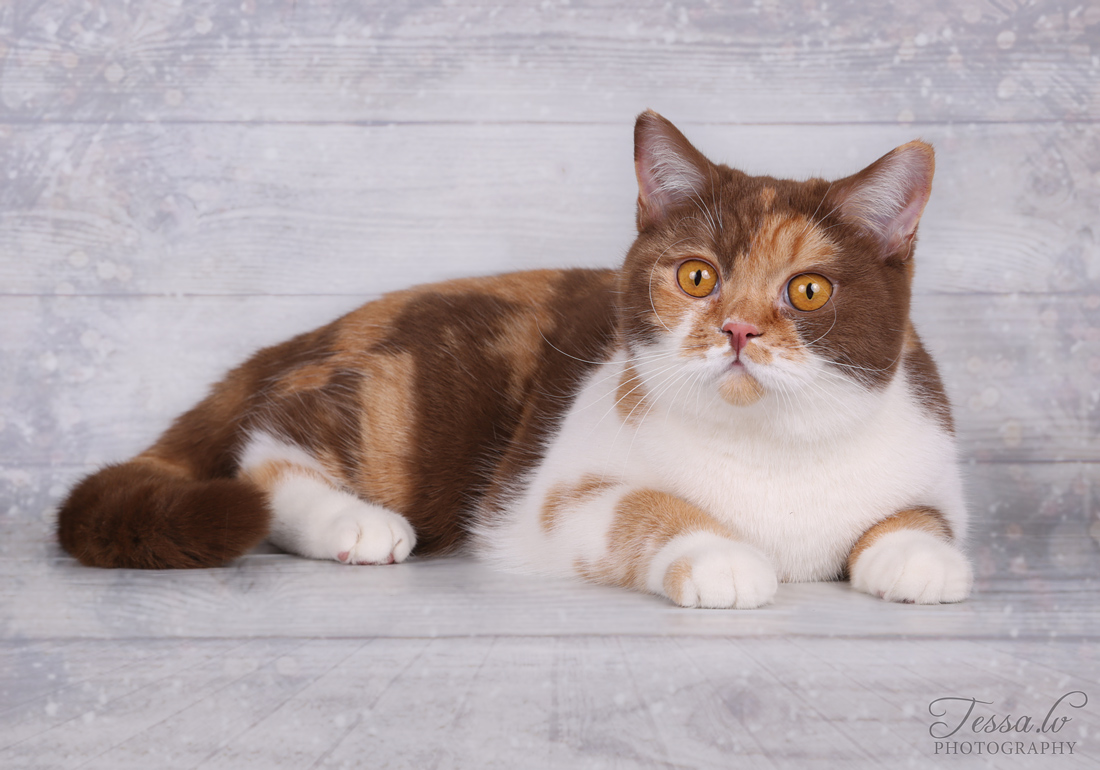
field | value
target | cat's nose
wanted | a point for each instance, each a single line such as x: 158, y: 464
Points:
x: 740, y: 334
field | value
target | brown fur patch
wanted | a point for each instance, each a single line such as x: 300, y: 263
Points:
x: 578, y: 330
x: 767, y: 196
x: 924, y: 519
x: 925, y: 382
x: 645, y: 520
x: 563, y: 496
x: 137, y: 516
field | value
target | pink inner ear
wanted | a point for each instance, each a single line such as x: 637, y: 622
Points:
x: 670, y: 171
x: 904, y: 224
x: 665, y: 176
x: 888, y: 197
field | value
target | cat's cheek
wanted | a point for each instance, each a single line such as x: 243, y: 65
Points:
x: 913, y: 567
x: 701, y: 569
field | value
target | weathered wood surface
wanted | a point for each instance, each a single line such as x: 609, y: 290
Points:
x: 554, y: 702
x: 555, y: 61
x: 276, y: 595
x: 292, y: 209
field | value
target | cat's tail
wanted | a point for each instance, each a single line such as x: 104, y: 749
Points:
x: 181, y: 503
x: 146, y: 516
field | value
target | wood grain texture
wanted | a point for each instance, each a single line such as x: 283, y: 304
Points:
x: 292, y: 209
x: 276, y: 595
x: 551, y: 61
x: 515, y: 702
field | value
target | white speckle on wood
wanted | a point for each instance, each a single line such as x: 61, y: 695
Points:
x: 114, y: 73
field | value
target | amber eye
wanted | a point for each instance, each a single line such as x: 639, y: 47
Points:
x: 697, y: 278
x: 809, y: 291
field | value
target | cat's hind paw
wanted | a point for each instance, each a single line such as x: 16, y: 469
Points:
x: 715, y: 572
x: 913, y: 567
x: 369, y: 534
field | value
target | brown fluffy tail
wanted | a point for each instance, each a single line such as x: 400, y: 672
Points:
x: 142, y: 516
x: 179, y: 503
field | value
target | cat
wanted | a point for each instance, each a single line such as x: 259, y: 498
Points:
x: 744, y: 402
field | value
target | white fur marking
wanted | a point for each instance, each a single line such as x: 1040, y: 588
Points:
x: 724, y: 573
x: 313, y: 518
x: 910, y: 565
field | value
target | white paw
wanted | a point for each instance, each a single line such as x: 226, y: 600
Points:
x: 718, y: 573
x: 314, y: 520
x: 914, y: 567
x: 368, y: 534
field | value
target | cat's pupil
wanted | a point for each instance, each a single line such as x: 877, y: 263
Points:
x: 810, y: 291
x: 697, y: 277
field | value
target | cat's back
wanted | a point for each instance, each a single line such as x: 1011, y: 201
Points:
x: 459, y: 382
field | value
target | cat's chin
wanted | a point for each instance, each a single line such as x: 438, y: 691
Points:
x: 740, y: 388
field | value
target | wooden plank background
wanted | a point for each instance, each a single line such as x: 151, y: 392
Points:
x: 182, y: 183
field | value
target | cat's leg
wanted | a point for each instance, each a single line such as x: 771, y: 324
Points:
x: 910, y: 557
x: 314, y: 518
x: 660, y: 543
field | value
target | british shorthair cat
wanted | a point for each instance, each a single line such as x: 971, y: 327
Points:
x: 744, y: 402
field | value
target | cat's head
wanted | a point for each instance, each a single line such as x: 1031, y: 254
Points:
x: 757, y: 286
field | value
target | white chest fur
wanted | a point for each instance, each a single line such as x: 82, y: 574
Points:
x: 800, y: 485
x: 805, y: 503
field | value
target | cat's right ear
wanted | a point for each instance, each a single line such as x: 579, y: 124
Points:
x: 670, y: 171
x: 887, y: 198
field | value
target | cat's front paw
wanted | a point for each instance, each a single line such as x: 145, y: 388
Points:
x: 913, y: 567
x: 719, y: 573
x: 369, y: 534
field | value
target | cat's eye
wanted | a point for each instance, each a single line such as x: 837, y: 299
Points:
x: 697, y: 278
x: 809, y: 291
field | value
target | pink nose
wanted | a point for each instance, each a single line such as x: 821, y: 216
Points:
x: 740, y: 334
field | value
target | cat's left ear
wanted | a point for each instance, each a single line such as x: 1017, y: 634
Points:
x: 887, y: 198
x: 670, y: 170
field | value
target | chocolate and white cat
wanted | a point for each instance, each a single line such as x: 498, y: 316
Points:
x: 745, y: 401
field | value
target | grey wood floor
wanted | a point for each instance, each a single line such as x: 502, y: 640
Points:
x: 279, y: 662
x: 186, y: 182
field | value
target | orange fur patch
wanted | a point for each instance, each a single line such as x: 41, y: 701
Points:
x: 563, y: 496
x: 923, y: 519
x: 518, y: 345
x: 630, y: 401
x: 267, y: 475
x: 388, y: 410
x: 645, y: 520
x: 783, y: 246
x: 162, y: 464
x: 741, y: 389
x: 310, y: 377
x: 678, y: 573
